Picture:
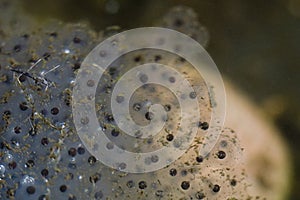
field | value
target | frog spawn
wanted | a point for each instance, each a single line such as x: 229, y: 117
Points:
x: 197, y: 177
x: 36, y: 119
x: 185, y: 20
x: 42, y: 157
x: 150, y: 94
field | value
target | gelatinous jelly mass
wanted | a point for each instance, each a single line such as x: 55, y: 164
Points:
x: 41, y: 155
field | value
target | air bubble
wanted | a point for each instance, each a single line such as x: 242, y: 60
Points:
x: 27, y: 180
x: 2, y: 170
x: 8, y: 157
x: 66, y: 51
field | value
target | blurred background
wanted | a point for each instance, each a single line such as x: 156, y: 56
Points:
x: 256, y: 44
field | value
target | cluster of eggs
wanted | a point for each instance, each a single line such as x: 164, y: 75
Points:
x: 42, y: 157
